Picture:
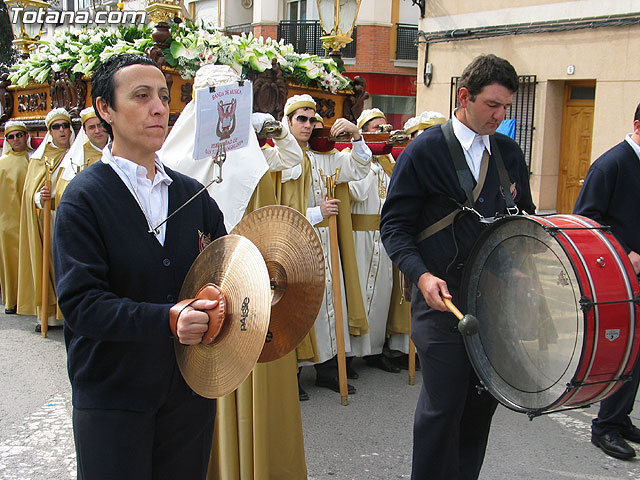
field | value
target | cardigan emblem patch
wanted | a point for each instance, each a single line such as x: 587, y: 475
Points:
x: 203, y: 240
x: 512, y: 189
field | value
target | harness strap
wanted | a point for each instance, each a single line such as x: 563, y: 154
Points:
x: 475, y: 192
x: 465, y: 178
x: 503, y: 175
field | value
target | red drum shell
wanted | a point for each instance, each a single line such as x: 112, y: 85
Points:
x: 555, y: 300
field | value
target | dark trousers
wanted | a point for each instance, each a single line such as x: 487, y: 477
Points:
x: 171, y: 443
x: 329, y: 369
x: 613, y: 415
x: 452, y: 419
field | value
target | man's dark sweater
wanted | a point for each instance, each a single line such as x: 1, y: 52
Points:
x: 116, y: 284
x: 423, y: 178
x: 611, y: 194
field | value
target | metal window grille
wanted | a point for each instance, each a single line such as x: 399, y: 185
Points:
x: 305, y: 35
x: 407, y: 37
x: 522, y: 109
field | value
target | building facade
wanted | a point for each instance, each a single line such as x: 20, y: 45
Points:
x: 582, y: 78
x: 383, y: 52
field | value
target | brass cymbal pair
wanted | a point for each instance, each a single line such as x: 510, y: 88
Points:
x: 271, y: 272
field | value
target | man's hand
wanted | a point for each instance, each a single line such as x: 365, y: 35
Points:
x: 433, y: 288
x: 329, y: 207
x: 344, y: 125
x: 635, y: 261
x: 45, y: 194
x: 193, y: 321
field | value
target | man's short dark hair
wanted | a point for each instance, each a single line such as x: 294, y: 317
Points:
x: 485, y: 70
x: 103, y: 84
x: 637, y: 114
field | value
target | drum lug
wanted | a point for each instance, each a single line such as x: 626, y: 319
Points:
x: 481, y: 388
x: 585, y: 303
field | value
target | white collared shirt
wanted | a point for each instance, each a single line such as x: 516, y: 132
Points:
x: 473, y: 145
x: 152, y: 197
x: 634, y: 145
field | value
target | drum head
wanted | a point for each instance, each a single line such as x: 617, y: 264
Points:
x: 522, y: 287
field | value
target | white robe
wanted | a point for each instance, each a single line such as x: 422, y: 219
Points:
x: 285, y: 152
x: 375, y: 269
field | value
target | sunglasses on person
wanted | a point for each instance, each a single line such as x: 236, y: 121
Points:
x: 301, y: 119
x: 11, y: 136
x: 57, y: 126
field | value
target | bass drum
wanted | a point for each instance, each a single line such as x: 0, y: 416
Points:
x: 557, y: 302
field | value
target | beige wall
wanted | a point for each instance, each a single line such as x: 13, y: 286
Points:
x: 374, y: 12
x: 437, y: 7
x: 447, y: 15
x: 266, y: 11
x: 606, y: 55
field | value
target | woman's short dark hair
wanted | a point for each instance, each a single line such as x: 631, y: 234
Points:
x: 104, y: 86
x: 485, y: 70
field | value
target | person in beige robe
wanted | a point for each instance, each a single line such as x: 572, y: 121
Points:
x: 13, y: 169
x: 85, y: 151
x: 304, y: 189
x: 258, y: 429
x: 49, y: 155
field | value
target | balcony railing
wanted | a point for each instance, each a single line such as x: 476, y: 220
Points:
x: 407, y: 48
x: 305, y: 35
x: 238, y: 29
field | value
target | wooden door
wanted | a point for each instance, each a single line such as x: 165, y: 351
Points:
x: 575, y: 147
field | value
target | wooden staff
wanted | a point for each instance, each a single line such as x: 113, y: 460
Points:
x: 46, y: 248
x: 330, y: 181
x: 412, y: 362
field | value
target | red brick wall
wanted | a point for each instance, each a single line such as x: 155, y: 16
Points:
x: 267, y: 31
x: 372, y: 51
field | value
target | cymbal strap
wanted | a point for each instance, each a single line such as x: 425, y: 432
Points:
x: 216, y: 315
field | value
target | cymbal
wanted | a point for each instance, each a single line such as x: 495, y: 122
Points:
x: 295, y: 261
x: 234, y: 264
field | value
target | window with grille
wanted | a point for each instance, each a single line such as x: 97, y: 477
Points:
x: 407, y: 36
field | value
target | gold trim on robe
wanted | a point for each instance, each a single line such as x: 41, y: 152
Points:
x: 30, y: 255
x: 295, y: 194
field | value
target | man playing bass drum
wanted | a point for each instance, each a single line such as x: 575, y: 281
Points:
x: 440, y: 171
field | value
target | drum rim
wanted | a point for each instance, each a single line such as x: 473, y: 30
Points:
x: 631, y: 349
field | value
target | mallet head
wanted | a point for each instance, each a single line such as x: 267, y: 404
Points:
x: 468, y: 325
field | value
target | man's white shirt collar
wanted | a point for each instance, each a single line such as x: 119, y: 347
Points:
x: 466, y: 136
x: 473, y: 145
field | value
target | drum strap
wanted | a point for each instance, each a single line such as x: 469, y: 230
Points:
x: 464, y: 177
x: 505, y: 183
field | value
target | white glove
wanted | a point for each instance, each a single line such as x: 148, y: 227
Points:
x: 258, y: 119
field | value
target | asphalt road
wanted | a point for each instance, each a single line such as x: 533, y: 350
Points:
x: 367, y: 440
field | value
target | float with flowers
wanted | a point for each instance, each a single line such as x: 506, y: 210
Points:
x: 57, y: 72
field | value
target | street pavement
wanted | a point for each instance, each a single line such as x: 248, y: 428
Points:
x: 369, y: 439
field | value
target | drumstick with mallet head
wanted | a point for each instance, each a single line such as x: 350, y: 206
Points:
x: 467, y: 324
